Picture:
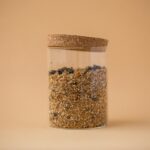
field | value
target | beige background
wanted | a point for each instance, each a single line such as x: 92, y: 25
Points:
x: 24, y: 26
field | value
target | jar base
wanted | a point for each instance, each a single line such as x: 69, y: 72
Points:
x: 78, y: 128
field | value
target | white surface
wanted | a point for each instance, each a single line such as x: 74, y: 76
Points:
x: 119, y: 135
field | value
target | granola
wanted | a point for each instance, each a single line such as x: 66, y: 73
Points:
x: 78, y: 97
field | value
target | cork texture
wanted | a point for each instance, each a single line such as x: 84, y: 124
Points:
x: 75, y: 42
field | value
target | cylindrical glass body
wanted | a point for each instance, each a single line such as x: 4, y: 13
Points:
x: 77, y: 87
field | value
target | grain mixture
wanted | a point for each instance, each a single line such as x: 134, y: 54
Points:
x: 77, y: 97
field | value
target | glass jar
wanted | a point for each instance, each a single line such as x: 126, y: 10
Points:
x: 77, y: 81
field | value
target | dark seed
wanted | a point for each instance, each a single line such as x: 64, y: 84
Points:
x: 70, y: 70
x: 55, y: 114
x: 93, y: 117
x: 89, y: 68
x: 94, y: 98
x: 52, y: 72
x: 60, y: 71
x: 68, y: 117
x: 96, y: 67
x: 98, y: 125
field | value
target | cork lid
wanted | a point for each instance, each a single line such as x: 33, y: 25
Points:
x: 76, y: 42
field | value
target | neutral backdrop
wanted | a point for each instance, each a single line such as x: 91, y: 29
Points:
x: 24, y: 27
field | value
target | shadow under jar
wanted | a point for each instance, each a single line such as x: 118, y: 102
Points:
x: 77, y: 81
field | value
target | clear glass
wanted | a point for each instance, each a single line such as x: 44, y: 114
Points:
x: 77, y: 88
